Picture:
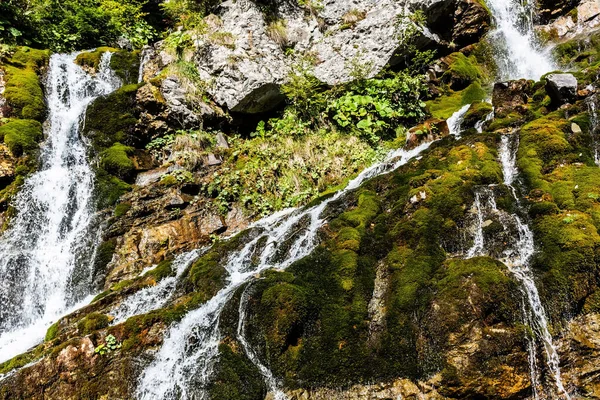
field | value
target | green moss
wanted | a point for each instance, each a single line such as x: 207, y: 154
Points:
x: 23, y: 90
x: 111, y: 119
x: 115, y: 160
x: 446, y: 105
x: 51, y: 332
x: 21, y: 136
x: 109, y: 189
x: 368, y: 207
x: 91, y: 323
x: 168, y: 180
x: 104, y: 254
x: 21, y: 360
x: 207, y: 275
x: 121, y: 209
x: 478, y: 111
x: 126, y: 65
x: 92, y: 59
x: 235, y: 377
x: 162, y: 270
x: 462, y: 71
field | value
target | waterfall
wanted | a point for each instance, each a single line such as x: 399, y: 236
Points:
x: 183, y: 366
x: 593, y: 111
x: 456, y: 120
x: 270, y: 380
x: 517, y: 261
x: 517, y: 249
x: 157, y: 296
x: 517, y: 52
x: 46, y: 254
x: 147, y: 53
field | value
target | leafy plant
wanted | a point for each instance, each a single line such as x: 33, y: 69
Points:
x: 110, y: 344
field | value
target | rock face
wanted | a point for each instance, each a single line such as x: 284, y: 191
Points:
x: 511, y: 96
x: 580, y: 347
x: 585, y: 18
x: 562, y: 88
x: 244, y: 59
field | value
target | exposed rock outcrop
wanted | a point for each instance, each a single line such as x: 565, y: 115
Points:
x: 562, y: 88
x: 243, y: 57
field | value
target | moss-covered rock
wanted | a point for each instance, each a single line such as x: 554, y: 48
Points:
x: 21, y: 136
x: 124, y: 63
x: 91, y: 323
x: 23, y: 90
x: 115, y: 160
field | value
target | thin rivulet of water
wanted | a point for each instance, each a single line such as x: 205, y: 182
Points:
x: 183, y: 366
x: 157, y: 296
x: 516, y: 256
x: 45, y: 255
x: 591, y: 103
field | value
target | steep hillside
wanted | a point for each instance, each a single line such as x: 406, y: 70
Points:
x: 300, y: 200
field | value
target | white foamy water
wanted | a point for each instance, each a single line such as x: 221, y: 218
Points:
x: 456, y: 120
x: 516, y: 255
x: 517, y: 51
x: 183, y: 366
x: 46, y: 254
x: 157, y: 296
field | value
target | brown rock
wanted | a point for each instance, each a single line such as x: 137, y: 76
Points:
x: 511, y: 96
x: 428, y: 131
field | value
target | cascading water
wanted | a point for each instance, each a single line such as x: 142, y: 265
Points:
x: 456, y: 120
x: 517, y: 52
x: 45, y: 254
x: 517, y: 261
x: 183, y: 366
x: 516, y: 256
x: 144, y: 58
x: 593, y: 111
x: 270, y: 380
x: 154, y: 297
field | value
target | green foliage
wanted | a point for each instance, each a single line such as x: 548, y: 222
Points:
x: 178, y: 41
x: 374, y: 107
x: 304, y: 92
x: 110, y: 344
x: 270, y: 173
x: 189, y: 13
x: 21, y: 136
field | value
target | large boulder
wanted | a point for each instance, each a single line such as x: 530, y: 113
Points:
x: 245, y: 55
x: 562, y: 88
